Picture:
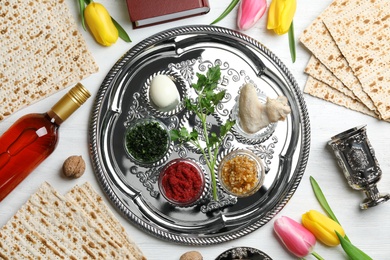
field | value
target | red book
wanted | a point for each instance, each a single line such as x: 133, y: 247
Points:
x: 149, y: 12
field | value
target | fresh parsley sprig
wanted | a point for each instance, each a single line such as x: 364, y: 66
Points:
x: 203, y: 106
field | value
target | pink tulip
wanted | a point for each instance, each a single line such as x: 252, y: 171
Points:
x: 294, y: 236
x: 249, y: 12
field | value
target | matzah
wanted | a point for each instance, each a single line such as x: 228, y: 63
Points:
x: 42, y: 52
x: 318, y: 40
x: 321, y: 90
x: 363, y: 36
x: 93, y: 206
x: 51, y: 226
x: 318, y: 71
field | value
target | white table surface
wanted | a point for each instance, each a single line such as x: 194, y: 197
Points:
x: 369, y: 229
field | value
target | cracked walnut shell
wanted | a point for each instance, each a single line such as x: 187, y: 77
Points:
x: 191, y: 255
x: 74, y: 166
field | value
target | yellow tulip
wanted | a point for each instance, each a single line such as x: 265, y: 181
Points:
x: 280, y: 15
x: 322, y: 227
x: 100, y: 23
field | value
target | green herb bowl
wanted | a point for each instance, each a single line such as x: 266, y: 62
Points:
x: 147, y: 141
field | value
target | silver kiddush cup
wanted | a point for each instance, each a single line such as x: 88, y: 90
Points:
x: 356, y: 157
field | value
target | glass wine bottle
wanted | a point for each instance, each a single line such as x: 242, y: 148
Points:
x: 33, y: 137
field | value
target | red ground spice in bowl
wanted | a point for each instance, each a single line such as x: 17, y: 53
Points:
x: 182, y: 182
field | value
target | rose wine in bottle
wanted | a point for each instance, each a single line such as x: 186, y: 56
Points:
x: 32, y: 138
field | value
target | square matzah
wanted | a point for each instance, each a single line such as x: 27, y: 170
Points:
x: 76, y: 226
x: 363, y: 37
x: 318, y: 71
x: 320, y: 42
x: 323, y: 91
x: 41, y: 52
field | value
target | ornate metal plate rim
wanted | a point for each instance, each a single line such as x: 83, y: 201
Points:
x: 107, y: 184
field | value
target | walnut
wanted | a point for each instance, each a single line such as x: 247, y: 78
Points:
x: 191, y: 255
x: 74, y: 166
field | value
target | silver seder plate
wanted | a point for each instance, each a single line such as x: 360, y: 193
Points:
x: 181, y: 53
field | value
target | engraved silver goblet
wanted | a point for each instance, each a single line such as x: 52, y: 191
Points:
x: 356, y: 157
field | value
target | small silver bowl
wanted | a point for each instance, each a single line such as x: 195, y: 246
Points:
x: 140, y: 145
x: 177, y: 187
x: 241, y: 173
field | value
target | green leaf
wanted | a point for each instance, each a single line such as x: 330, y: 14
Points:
x: 209, y: 94
x: 226, y: 127
x: 321, y: 199
x: 82, y: 8
x: 352, y: 251
x: 323, y: 202
x: 202, y: 80
x: 184, y: 132
x: 218, y: 97
x: 188, y: 104
x: 230, y: 7
x: 194, y: 135
x: 214, y: 74
x: 291, y: 41
x: 175, y: 135
x: 212, y: 85
x: 213, y: 139
x: 122, y: 33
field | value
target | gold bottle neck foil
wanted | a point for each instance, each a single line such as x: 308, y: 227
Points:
x: 70, y: 102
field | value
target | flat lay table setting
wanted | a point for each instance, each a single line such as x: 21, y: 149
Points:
x: 97, y: 197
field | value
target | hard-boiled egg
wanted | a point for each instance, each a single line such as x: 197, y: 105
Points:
x: 163, y: 92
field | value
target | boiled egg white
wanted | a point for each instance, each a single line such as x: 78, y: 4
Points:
x: 163, y: 92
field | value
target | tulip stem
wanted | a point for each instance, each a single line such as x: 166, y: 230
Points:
x: 317, y: 256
